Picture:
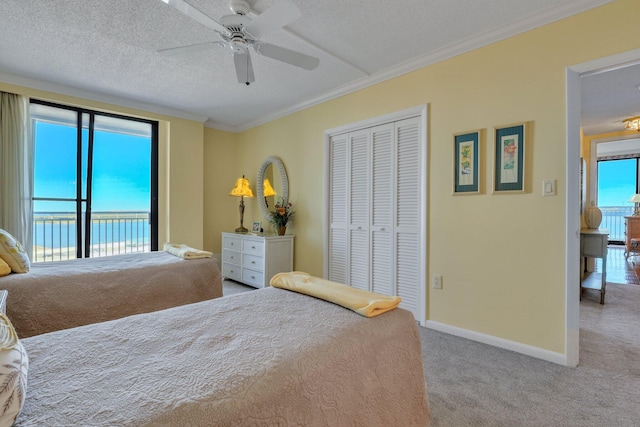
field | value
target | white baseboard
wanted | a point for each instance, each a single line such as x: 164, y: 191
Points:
x: 539, y: 353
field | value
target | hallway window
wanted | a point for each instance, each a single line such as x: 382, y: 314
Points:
x: 617, y: 182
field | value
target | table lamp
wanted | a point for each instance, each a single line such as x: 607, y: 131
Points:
x: 268, y: 191
x: 242, y: 189
x: 635, y: 199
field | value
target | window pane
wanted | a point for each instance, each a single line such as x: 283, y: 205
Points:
x: 54, y: 231
x: 121, y: 186
x: 54, y: 159
x: 616, y: 182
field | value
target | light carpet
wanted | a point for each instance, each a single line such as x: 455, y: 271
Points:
x: 473, y: 384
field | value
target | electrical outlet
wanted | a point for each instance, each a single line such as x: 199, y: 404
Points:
x: 437, y: 281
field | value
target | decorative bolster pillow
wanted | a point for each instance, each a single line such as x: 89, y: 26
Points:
x: 13, y: 254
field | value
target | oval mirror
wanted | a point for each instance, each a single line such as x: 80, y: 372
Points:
x: 272, y: 185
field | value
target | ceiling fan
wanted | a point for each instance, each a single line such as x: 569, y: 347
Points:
x: 239, y: 32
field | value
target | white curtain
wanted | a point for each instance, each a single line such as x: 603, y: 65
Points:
x: 16, y: 169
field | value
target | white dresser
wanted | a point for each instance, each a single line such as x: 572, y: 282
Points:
x: 253, y: 259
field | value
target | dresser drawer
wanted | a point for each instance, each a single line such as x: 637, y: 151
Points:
x: 231, y: 256
x: 253, y: 262
x: 232, y: 271
x: 232, y: 242
x: 253, y: 247
x: 253, y: 278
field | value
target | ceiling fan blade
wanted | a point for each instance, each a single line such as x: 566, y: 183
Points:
x: 287, y: 55
x: 200, y: 47
x: 194, y: 13
x: 244, y: 69
x: 277, y: 16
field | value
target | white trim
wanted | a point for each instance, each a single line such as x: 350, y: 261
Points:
x: 98, y: 97
x: 479, y: 40
x: 417, y: 111
x: 572, y: 219
x: 538, y: 353
x: 536, y: 20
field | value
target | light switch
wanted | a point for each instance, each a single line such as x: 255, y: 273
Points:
x: 548, y: 187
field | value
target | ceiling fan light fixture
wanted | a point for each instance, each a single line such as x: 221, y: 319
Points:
x: 632, y: 123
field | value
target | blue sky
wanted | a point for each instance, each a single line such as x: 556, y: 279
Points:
x: 121, y: 169
x: 616, y: 182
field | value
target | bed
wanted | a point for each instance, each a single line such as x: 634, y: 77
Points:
x: 266, y: 357
x: 66, y: 294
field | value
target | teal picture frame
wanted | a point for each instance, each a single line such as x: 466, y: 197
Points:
x: 466, y: 165
x: 510, y: 159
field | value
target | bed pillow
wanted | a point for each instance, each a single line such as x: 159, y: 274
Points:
x: 4, y: 268
x: 14, y: 365
x: 12, y: 253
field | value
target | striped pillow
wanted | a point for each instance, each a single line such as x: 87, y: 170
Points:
x: 12, y: 253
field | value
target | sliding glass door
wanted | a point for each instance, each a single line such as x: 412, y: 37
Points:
x: 617, y: 182
x: 95, y: 183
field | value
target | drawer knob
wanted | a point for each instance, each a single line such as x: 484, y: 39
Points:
x: 253, y: 262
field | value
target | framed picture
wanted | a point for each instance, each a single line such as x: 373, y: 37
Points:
x: 257, y: 227
x: 466, y: 167
x: 510, y: 148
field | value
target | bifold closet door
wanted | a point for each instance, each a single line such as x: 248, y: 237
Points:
x: 382, y: 209
x: 407, y: 203
x: 375, y: 202
x: 359, y: 200
x: 338, y: 203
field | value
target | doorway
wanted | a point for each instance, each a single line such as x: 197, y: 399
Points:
x: 572, y: 200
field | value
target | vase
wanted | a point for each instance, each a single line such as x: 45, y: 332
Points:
x: 281, y: 230
x: 593, y: 216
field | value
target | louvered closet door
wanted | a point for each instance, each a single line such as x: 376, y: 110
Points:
x: 376, y: 240
x: 338, y: 233
x: 407, y: 212
x: 382, y: 201
x: 359, y: 209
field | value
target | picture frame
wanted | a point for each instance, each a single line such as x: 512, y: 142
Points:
x: 466, y: 165
x: 257, y: 227
x: 510, y: 158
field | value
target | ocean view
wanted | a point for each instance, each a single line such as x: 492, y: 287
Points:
x: 54, y: 234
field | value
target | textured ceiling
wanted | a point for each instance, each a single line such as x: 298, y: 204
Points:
x: 107, y: 50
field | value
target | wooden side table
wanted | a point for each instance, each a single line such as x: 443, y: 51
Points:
x: 593, y: 244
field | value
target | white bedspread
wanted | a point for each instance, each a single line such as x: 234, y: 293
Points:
x: 263, y: 358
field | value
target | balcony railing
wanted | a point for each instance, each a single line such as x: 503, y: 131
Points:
x: 613, y: 220
x: 112, y: 233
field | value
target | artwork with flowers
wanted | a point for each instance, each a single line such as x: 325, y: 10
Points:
x: 467, y: 162
x: 510, y: 158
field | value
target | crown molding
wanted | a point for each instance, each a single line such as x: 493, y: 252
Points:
x: 98, y: 96
x: 520, y: 26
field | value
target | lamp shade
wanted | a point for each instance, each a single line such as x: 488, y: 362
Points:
x: 242, y: 188
x: 634, y: 199
x: 268, y: 189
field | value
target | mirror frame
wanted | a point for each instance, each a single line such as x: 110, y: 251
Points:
x: 273, y: 160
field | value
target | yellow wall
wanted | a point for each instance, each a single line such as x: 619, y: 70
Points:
x: 502, y: 256
x: 180, y: 166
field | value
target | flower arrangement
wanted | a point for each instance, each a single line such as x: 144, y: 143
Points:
x: 282, y: 213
